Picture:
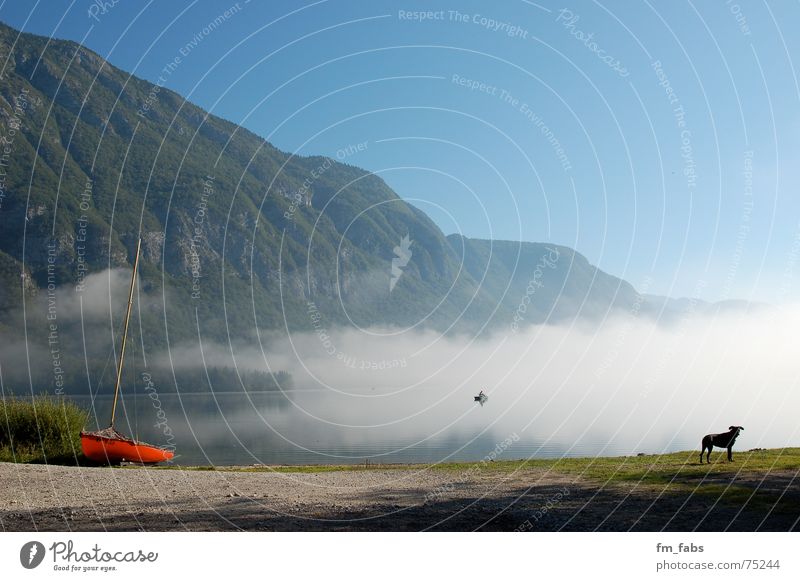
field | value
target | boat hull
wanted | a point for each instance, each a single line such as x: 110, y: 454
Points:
x: 113, y: 449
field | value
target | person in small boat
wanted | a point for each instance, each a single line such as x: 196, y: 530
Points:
x: 481, y: 394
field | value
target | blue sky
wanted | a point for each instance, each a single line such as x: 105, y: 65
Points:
x: 514, y: 120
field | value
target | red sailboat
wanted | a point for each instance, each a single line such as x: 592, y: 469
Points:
x: 108, y: 446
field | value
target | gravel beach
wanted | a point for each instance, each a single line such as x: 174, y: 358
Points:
x: 60, y: 498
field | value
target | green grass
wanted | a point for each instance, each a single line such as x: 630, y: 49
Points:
x: 681, y: 473
x: 309, y: 469
x: 678, y: 474
x: 659, y: 468
x: 40, y: 429
x: 655, y: 469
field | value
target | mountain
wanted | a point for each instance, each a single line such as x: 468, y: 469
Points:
x: 539, y: 283
x: 100, y: 155
x: 217, y: 206
x: 237, y: 236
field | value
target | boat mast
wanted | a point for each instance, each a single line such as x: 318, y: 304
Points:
x: 125, y: 333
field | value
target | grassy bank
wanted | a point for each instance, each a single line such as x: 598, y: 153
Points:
x: 40, y: 429
x: 648, y: 469
x: 758, y: 478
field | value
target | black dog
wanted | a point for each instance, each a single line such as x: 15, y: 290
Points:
x: 724, y: 440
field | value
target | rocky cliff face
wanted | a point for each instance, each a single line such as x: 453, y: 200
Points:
x: 236, y: 233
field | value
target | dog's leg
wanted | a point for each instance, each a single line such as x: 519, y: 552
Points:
x: 730, y: 453
x: 707, y: 443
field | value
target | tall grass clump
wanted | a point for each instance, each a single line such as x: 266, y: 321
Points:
x: 38, y: 429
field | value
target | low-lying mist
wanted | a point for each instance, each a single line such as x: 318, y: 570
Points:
x: 625, y: 385
x: 630, y: 382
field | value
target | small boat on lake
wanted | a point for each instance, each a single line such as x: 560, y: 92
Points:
x: 108, y: 446
x: 481, y: 398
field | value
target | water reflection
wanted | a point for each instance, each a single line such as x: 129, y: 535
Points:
x: 301, y: 427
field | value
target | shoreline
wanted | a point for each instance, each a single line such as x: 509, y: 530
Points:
x: 644, y: 493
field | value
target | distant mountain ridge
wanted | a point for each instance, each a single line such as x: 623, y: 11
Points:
x: 237, y: 234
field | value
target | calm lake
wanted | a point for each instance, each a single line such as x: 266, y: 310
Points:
x: 323, y: 427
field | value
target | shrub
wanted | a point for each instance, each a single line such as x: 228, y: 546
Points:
x: 40, y: 429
